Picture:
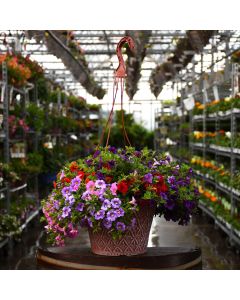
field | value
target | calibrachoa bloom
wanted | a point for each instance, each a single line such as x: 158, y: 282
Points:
x: 75, y: 183
x: 120, y: 226
x: 106, y: 204
x: 104, y: 191
x: 112, y: 215
x: 99, y: 214
x: 116, y: 202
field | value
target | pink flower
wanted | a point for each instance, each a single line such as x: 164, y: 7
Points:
x: 133, y: 201
x: 90, y: 186
x: 113, y: 188
x: 62, y: 175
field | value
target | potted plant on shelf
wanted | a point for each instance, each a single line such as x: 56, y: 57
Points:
x: 115, y: 194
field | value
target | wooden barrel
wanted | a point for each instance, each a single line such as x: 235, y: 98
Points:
x: 156, y: 258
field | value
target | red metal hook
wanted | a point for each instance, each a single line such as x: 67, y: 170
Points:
x: 121, y: 69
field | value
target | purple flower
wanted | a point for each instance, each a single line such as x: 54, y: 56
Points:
x: 56, y: 204
x: 100, y: 175
x: 96, y: 153
x: 99, y: 214
x: 148, y: 178
x: 92, y: 212
x: 86, y: 195
x: 89, y: 162
x: 171, y: 179
x: 112, y: 215
x: 107, y: 224
x: 100, y: 184
x: 66, y: 191
x: 133, y: 222
x: 66, y: 211
x: 106, y: 204
x: 181, y: 182
x: 70, y: 199
x: 168, y: 158
x: 150, y: 164
x: 169, y: 204
x: 80, y: 207
x: 111, y: 163
x: 101, y: 197
x: 116, y: 202
x: 137, y: 153
x: 112, y: 149
x: 75, y: 183
x: 89, y: 222
x: 120, y: 226
x: 119, y: 212
x: 190, y: 205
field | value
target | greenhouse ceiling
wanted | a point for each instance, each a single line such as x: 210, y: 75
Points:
x: 87, y: 58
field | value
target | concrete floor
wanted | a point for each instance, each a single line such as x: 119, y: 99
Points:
x: 216, y: 253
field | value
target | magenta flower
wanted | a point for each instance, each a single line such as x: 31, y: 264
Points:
x: 66, y: 211
x: 113, y: 189
x: 120, y: 226
x: 116, y: 202
x: 99, y: 214
x: 112, y: 215
x: 106, y: 204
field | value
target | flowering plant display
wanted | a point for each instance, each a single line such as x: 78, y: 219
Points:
x: 217, y: 105
x: 18, y: 72
x: 104, y: 190
x: 17, y: 125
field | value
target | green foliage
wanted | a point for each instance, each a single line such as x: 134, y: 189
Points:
x: 139, y: 136
x: 35, y: 117
x: 9, y: 225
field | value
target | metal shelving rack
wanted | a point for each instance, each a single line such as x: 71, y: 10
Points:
x: 220, y: 152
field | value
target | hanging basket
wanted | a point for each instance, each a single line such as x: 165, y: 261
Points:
x: 133, y: 242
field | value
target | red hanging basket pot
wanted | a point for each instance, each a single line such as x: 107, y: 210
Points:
x: 133, y: 242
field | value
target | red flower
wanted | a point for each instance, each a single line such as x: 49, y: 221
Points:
x: 161, y: 188
x: 81, y: 174
x: 65, y: 179
x: 73, y: 166
x: 122, y: 187
x: 54, y: 184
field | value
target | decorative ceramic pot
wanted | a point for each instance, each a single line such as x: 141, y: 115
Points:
x: 133, y: 242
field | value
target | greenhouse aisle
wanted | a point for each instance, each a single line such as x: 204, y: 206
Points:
x: 216, y: 253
